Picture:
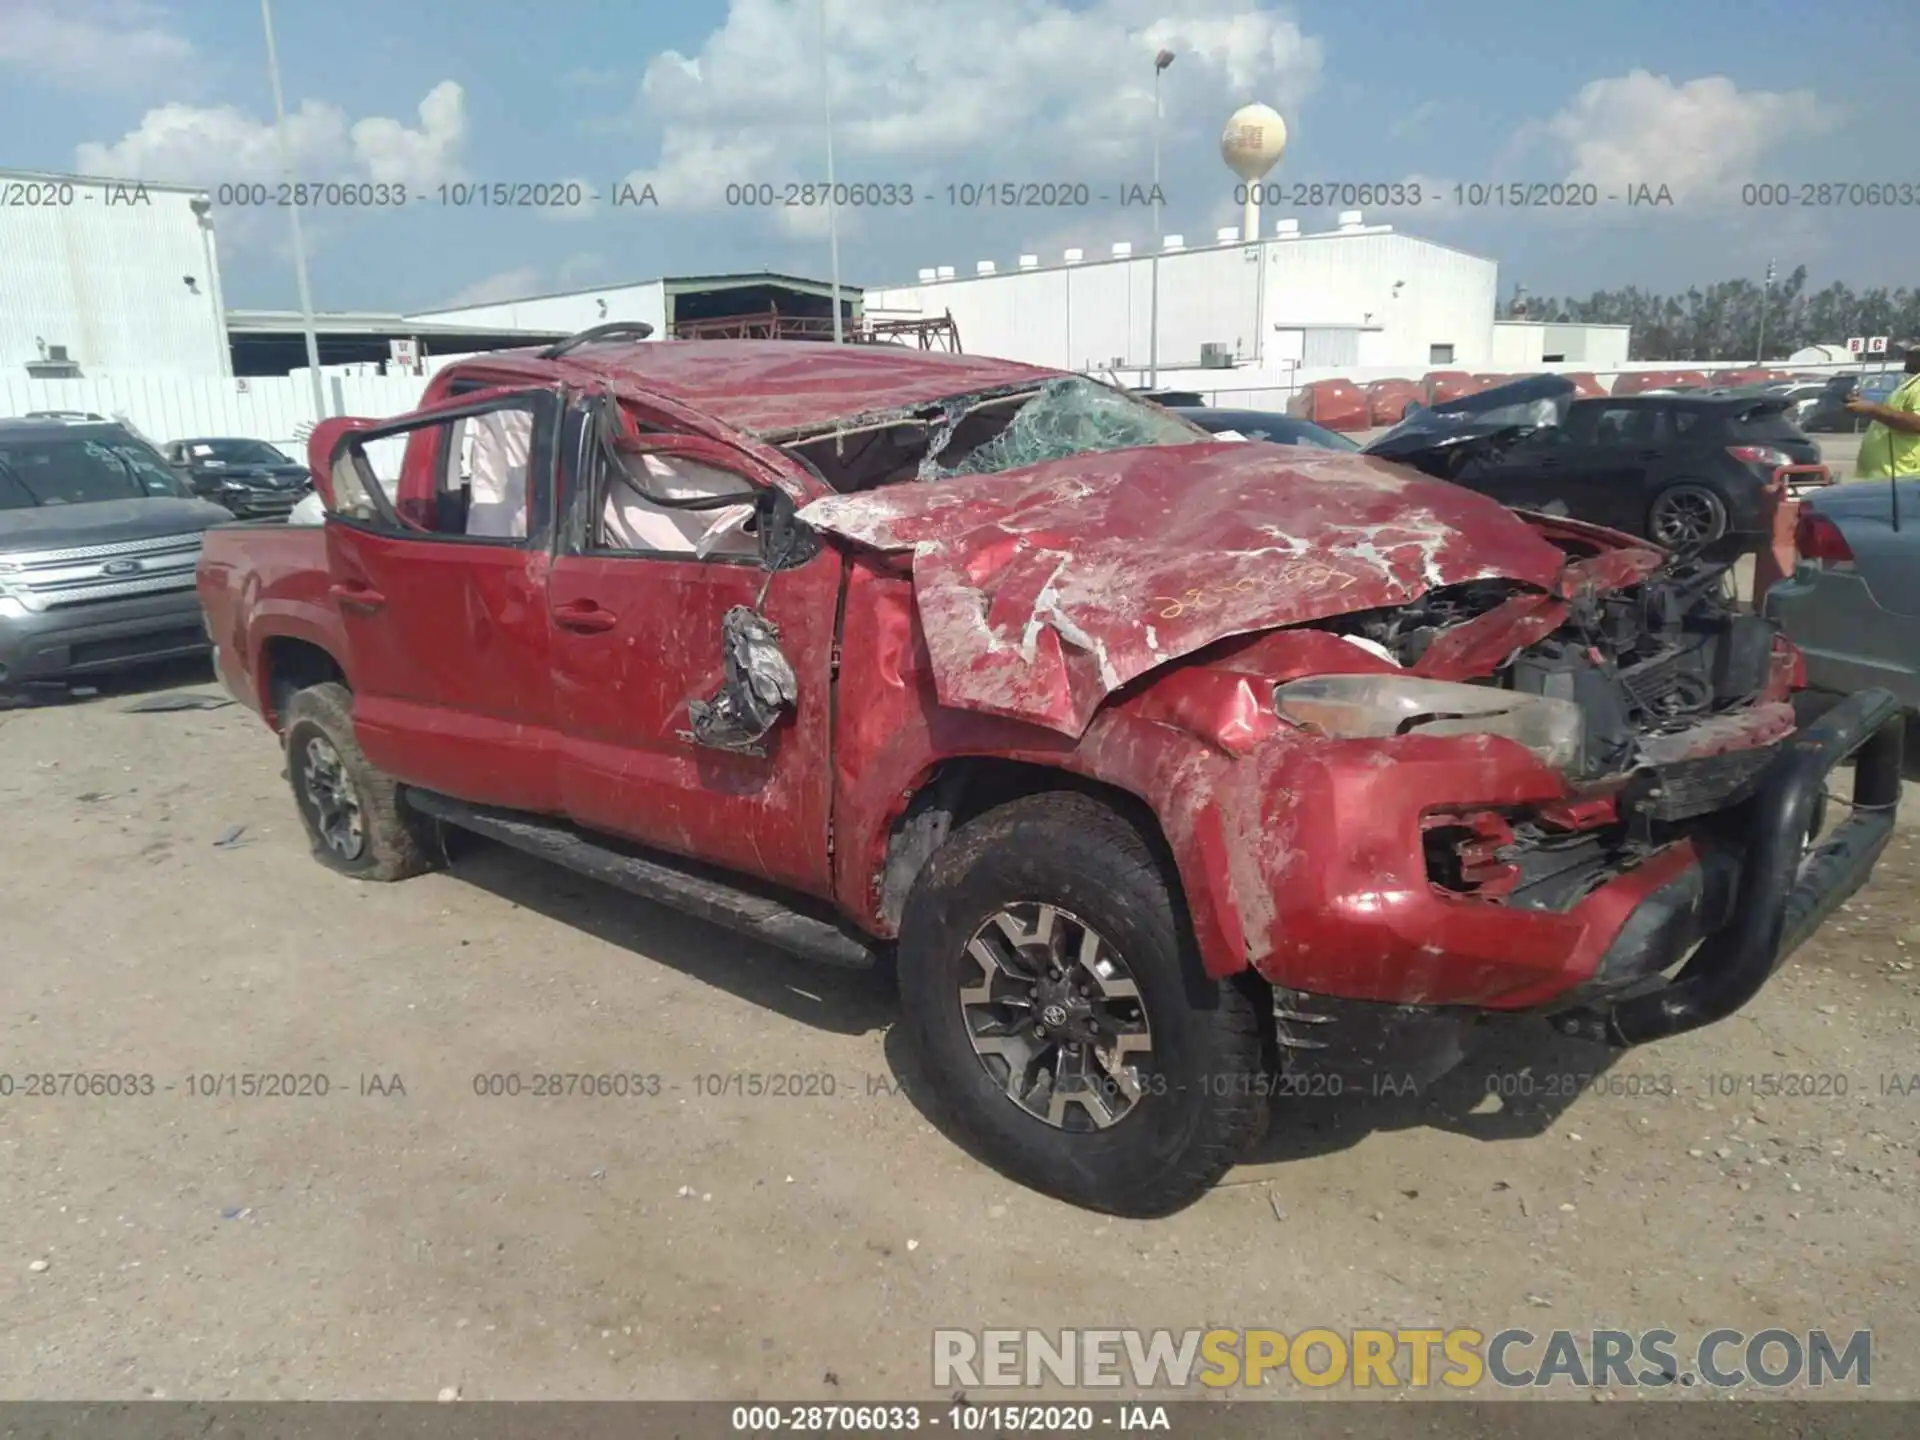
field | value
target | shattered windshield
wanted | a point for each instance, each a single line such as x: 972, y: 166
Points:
x: 1070, y: 416
x: 988, y: 432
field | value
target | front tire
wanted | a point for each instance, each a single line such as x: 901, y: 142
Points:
x: 355, y: 817
x: 1051, y: 984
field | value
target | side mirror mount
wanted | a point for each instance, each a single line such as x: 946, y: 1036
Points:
x: 785, y: 540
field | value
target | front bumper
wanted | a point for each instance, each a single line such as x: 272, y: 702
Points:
x: 100, y: 636
x: 1785, y: 886
x: 1357, y: 915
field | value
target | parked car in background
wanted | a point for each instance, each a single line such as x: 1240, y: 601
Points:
x: 1752, y: 375
x: 1335, y: 404
x: 84, y: 416
x: 1162, y: 768
x: 1637, y: 382
x: 98, y: 544
x: 1388, y: 401
x: 1852, y: 604
x: 1440, y: 386
x: 252, y: 479
x: 1685, y: 471
x: 1266, y: 425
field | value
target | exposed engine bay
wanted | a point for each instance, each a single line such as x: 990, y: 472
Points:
x: 1653, y: 659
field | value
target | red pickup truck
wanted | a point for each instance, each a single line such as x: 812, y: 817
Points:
x: 1177, y: 775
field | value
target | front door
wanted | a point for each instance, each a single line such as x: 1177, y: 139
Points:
x: 438, y: 543
x: 638, y: 598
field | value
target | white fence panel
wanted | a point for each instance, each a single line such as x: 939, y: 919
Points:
x: 277, y: 409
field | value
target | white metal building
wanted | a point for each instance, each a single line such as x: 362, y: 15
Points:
x: 107, y: 276
x: 1359, y: 296
x: 1522, y: 344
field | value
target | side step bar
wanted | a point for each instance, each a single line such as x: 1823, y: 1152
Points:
x: 668, y: 880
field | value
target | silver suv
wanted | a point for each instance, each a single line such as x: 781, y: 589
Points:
x: 98, y: 544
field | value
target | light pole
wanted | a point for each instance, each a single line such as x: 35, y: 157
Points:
x: 1766, y: 298
x: 202, y: 208
x: 1160, y: 62
x: 833, y: 220
x: 293, y: 213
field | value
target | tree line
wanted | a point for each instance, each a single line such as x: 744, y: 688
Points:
x: 1722, y: 322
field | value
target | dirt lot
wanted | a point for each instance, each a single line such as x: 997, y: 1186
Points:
x: 390, y: 1245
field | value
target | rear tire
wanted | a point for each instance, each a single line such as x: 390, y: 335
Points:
x: 355, y: 817
x: 1163, y: 1067
x: 1687, y: 515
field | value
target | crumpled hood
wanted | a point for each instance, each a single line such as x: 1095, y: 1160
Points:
x: 1043, y: 590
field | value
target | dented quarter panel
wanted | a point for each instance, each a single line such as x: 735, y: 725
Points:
x: 260, y: 583
x: 1044, y: 590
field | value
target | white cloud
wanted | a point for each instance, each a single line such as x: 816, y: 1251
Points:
x: 1701, y: 138
x: 103, y: 45
x: 393, y: 153
x: 930, y: 91
x: 206, y: 145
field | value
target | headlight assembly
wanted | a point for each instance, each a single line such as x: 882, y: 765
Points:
x: 1373, y: 707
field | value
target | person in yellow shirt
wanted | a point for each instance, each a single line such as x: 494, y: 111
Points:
x: 1891, y: 445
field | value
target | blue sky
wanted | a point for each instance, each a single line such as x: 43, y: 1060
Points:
x: 1703, y: 97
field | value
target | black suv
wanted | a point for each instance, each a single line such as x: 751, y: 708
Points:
x: 250, y: 478
x: 1684, y: 470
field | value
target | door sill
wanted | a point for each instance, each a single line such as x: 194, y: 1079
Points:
x: 792, y: 923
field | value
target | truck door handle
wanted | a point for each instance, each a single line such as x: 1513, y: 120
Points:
x: 584, y: 616
x: 357, y: 596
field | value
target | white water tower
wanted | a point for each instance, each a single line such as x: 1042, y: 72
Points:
x: 1252, y: 144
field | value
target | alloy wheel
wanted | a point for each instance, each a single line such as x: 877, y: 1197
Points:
x: 334, y: 800
x: 1056, y: 1018
x: 1687, y: 516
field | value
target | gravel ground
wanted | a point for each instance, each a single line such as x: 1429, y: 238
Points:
x: 403, y: 1235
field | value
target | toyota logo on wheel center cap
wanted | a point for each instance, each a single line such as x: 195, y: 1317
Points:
x: 1054, y: 1015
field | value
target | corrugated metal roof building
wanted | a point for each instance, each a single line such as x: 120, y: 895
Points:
x: 106, y: 276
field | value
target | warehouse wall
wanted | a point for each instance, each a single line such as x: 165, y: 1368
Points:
x: 1096, y: 313
x: 104, y: 278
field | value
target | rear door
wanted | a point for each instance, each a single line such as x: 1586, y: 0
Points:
x: 638, y: 598
x: 1617, y: 447
x: 438, y: 543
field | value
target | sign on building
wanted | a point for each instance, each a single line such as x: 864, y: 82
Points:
x: 405, y: 352
x: 1876, y: 344
x: 1856, y: 345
